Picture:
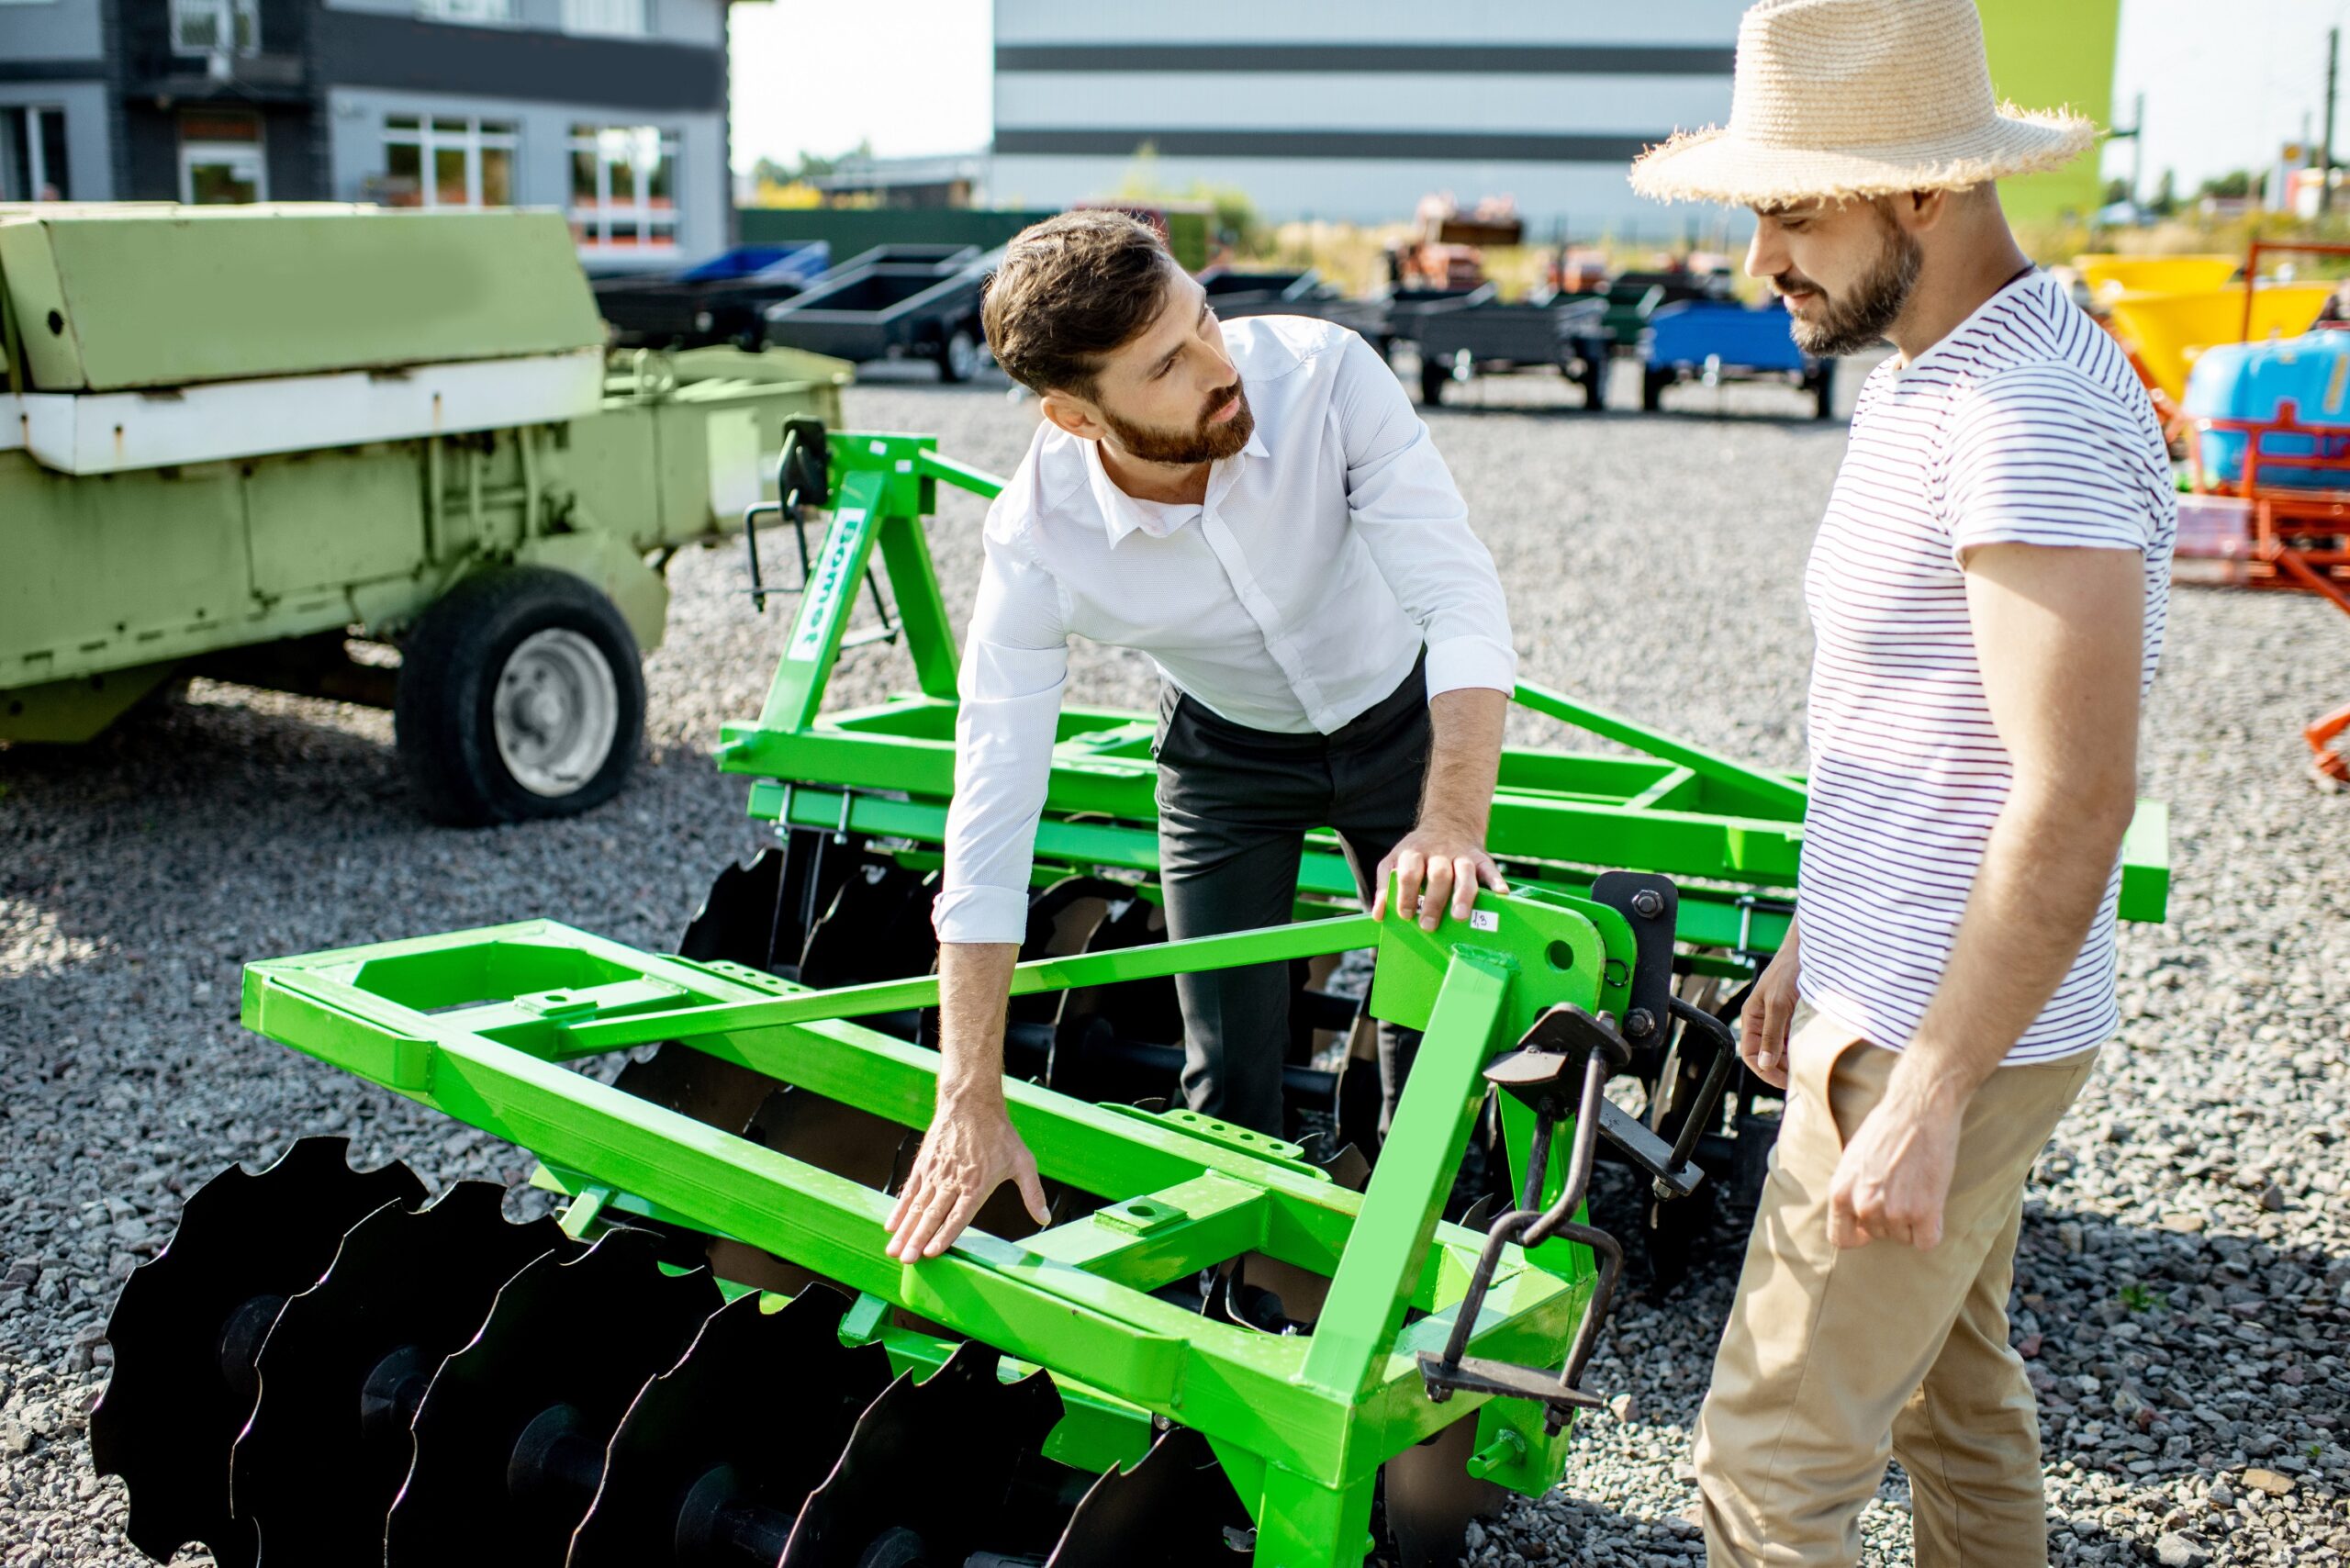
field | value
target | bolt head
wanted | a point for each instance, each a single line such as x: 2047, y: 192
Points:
x: 1640, y: 1023
x: 1648, y: 903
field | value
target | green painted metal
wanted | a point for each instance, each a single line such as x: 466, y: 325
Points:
x: 480, y: 1025
x: 146, y: 295
x: 487, y: 1025
x: 1732, y: 832
x: 118, y: 579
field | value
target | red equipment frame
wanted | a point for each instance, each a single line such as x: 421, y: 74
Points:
x: 2300, y: 535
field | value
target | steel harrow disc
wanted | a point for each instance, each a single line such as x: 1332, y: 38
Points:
x: 189, y: 1322
x: 929, y: 1472
x: 511, y: 1437
x: 717, y: 1455
x: 345, y: 1367
x: 1175, y: 1509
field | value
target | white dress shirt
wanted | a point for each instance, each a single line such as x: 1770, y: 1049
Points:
x: 1326, y: 556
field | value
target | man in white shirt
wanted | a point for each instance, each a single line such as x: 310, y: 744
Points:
x: 1987, y: 592
x: 1258, y: 507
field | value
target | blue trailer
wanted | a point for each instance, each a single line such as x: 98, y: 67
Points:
x: 1720, y: 341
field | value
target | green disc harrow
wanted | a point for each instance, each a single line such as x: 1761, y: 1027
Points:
x: 1223, y: 1346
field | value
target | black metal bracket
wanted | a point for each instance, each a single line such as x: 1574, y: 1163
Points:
x: 801, y: 481
x: 1558, y: 1070
x: 1652, y: 905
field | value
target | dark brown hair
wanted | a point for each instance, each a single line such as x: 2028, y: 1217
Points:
x: 1071, y: 291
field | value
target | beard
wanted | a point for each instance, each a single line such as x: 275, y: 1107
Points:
x: 1862, y: 316
x: 1205, y: 442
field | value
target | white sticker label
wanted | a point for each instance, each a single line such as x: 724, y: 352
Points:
x: 827, y: 582
x: 1485, y: 920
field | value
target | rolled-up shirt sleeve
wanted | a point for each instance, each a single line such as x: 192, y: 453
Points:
x: 1016, y: 664
x: 1410, y: 513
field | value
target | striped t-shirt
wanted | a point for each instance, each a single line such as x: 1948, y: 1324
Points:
x: 2025, y: 425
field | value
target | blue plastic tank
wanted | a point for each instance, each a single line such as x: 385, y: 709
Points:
x: 2251, y: 381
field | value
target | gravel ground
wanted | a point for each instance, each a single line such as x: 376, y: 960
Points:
x: 2184, y: 1284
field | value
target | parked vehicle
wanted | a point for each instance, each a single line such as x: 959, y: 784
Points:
x: 1717, y: 341
x: 1633, y: 297
x: 1486, y: 337
x: 724, y: 301
x: 234, y: 440
x: 2267, y: 428
x: 1236, y: 293
x: 894, y: 302
x: 1404, y: 307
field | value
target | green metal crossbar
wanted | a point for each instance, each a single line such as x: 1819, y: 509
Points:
x: 480, y: 1024
x: 1732, y: 832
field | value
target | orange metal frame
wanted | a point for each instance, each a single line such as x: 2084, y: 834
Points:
x: 2277, y: 247
x: 2301, y: 538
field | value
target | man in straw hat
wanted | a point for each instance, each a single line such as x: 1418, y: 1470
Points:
x: 1987, y: 592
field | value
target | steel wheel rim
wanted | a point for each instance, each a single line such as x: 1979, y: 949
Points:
x: 555, y: 712
x: 962, y: 356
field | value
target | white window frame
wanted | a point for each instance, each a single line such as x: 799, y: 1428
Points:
x: 656, y: 229
x: 472, y: 12
x: 609, y: 18
x: 429, y: 139
x: 225, y: 16
x: 195, y: 153
x: 28, y: 119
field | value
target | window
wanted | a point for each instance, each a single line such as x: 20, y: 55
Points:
x: 443, y: 161
x: 612, y: 18
x: 216, y: 26
x: 479, y: 13
x: 32, y: 154
x: 220, y: 158
x: 623, y: 187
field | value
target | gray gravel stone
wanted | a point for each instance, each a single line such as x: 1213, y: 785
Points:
x: 1654, y: 566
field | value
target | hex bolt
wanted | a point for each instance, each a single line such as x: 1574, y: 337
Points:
x: 1648, y: 903
x: 1640, y: 1022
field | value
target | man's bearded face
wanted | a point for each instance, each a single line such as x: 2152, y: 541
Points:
x: 1222, y: 427
x: 1858, y: 314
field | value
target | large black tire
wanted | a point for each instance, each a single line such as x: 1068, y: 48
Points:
x: 1823, y: 390
x: 1433, y: 376
x: 460, y: 665
x: 1592, y: 378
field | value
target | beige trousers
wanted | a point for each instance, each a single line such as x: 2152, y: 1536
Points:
x: 1833, y: 1359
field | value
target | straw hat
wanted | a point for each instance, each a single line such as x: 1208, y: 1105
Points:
x: 1840, y: 98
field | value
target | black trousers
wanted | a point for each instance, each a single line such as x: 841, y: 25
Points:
x: 1235, y: 806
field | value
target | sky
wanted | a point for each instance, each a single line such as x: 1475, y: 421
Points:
x: 2226, y: 81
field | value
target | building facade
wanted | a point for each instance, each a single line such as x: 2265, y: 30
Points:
x: 1352, y: 110
x: 613, y: 111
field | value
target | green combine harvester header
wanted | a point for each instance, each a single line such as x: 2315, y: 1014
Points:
x: 1224, y: 1347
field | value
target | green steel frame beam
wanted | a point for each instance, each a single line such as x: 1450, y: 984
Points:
x: 480, y: 1024
x: 1679, y: 809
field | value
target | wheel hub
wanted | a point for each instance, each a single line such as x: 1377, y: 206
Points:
x: 556, y: 711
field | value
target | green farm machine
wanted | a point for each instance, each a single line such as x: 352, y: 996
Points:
x: 1297, y: 1351
x: 236, y: 442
